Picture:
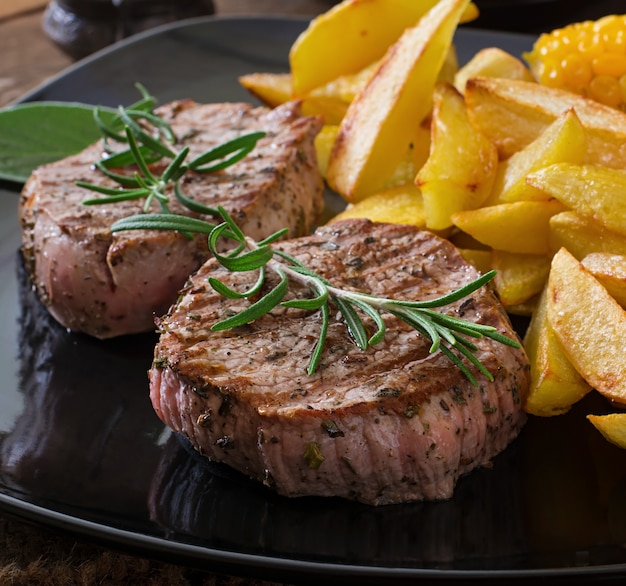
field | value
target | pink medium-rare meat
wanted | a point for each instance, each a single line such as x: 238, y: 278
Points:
x: 108, y: 284
x: 389, y: 424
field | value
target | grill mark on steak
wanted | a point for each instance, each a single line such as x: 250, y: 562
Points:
x: 107, y: 284
x: 406, y: 424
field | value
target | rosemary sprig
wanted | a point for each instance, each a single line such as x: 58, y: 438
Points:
x: 451, y: 335
x: 150, y: 139
x: 148, y: 136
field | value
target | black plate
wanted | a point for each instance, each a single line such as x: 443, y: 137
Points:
x: 81, y: 449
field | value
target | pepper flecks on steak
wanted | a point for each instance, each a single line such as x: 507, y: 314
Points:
x: 107, y: 284
x: 389, y: 424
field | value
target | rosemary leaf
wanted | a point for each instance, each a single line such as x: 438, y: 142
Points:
x: 226, y: 291
x: 418, y: 322
x: 248, y: 261
x: 353, y: 322
x: 457, y: 295
x: 311, y: 304
x: 378, y: 336
x: 257, y: 309
x: 238, y: 148
x: 273, y: 237
x: 459, y: 364
x: 171, y: 222
x: 321, y: 341
x: 193, y: 205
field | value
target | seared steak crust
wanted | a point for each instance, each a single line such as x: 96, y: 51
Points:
x: 392, y: 423
x: 107, y: 284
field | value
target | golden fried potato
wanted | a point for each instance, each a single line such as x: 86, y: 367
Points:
x: 398, y: 205
x: 274, y: 89
x: 459, y: 173
x: 610, y: 270
x: 352, y: 35
x: 590, y: 190
x: 612, y: 427
x: 590, y: 325
x: 522, y: 227
x: 381, y: 122
x: 513, y: 113
x: 520, y: 276
x: 492, y: 62
x: 555, y: 384
x: 481, y: 259
x: 582, y: 236
x: 323, y: 145
x: 562, y: 141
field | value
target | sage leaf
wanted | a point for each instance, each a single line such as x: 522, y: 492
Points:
x: 37, y: 133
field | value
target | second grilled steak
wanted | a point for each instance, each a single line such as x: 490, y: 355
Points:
x: 107, y: 284
x: 389, y: 424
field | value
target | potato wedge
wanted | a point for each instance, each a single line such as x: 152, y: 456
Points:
x: 610, y: 270
x: 590, y: 190
x: 582, y: 236
x: 512, y: 113
x: 481, y: 259
x: 520, y: 276
x: 562, y: 141
x: 350, y: 36
x: 273, y: 89
x: 398, y: 205
x: 527, y: 308
x: 492, y: 62
x: 555, y: 384
x: 460, y: 171
x: 522, y: 227
x: 323, y: 145
x: 612, y: 427
x: 381, y: 122
x: 590, y: 325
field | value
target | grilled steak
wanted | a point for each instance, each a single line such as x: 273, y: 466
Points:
x: 390, y: 424
x: 107, y: 284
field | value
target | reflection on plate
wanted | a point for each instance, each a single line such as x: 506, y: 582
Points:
x: 80, y: 447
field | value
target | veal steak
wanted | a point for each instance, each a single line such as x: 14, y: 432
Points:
x: 389, y: 424
x: 108, y: 284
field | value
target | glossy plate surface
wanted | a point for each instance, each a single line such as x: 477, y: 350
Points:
x: 82, y: 450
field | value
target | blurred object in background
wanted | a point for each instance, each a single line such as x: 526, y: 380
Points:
x: 538, y: 16
x: 81, y: 27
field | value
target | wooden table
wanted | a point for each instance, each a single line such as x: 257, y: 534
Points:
x: 33, y: 555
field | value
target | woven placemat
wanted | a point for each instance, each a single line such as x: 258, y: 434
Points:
x: 32, y: 556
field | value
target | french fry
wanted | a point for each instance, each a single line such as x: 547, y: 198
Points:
x: 522, y: 227
x: 381, y: 121
x: 590, y: 190
x: 555, y: 384
x: 459, y: 173
x: 589, y: 324
x: 512, y: 113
